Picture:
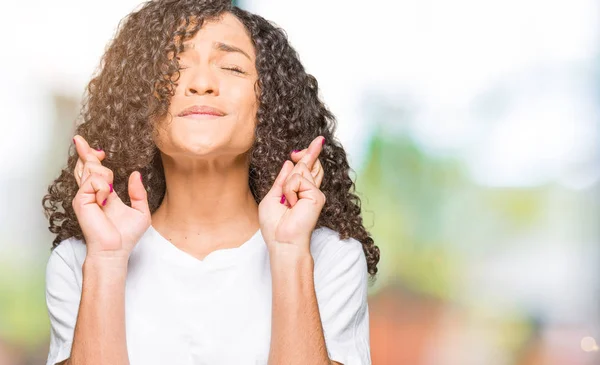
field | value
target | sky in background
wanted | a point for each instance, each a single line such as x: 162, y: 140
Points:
x: 448, y: 60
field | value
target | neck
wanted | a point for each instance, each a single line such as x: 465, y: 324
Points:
x: 212, y: 197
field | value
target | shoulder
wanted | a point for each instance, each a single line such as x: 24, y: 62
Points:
x: 69, y: 254
x: 325, y: 242
x: 332, y: 254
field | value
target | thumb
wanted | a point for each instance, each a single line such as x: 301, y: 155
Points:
x: 138, y: 194
x: 277, y: 188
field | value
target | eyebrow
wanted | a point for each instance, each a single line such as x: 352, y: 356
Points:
x: 219, y: 46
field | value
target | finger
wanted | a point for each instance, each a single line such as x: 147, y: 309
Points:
x: 313, y: 151
x: 298, y: 187
x: 277, y: 188
x: 296, y: 155
x: 299, y: 170
x: 92, y: 167
x: 317, y: 170
x: 78, y: 170
x: 309, y: 191
x: 302, y: 169
x: 85, y: 152
x: 90, y: 197
x: 95, y: 189
x: 99, y: 153
x: 138, y: 194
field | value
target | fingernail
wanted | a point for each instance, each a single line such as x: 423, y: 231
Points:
x: 295, y: 151
x: 74, y: 141
x: 282, y: 201
x: 111, y: 187
x: 104, y: 202
x: 323, y: 142
x: 141, y: 177
x: 98, y: 149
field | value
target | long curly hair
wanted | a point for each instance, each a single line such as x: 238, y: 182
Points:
x: 131, y: 91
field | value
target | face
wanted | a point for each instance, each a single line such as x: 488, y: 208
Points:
x: 213, y: 111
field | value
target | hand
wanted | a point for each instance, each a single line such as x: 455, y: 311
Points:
x: 290, y: 210
x: 110, y: 227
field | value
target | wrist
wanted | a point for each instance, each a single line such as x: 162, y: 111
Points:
x: 107, y: 265
x: 289, y: 253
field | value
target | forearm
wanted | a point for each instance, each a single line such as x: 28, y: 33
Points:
x: 100, y: 330
x: 296, y: 330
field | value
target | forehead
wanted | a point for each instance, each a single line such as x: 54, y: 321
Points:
x: 226, y: 29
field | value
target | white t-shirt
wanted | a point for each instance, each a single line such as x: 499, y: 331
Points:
x: 180, y: 310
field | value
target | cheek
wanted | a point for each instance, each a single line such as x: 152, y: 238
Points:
x: 246, y: 103
x: 161, y: 133
x: 246, y: 119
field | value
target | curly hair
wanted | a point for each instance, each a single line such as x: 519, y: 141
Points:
x: 131, y: 91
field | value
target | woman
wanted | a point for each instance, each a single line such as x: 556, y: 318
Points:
x: 185, y: 235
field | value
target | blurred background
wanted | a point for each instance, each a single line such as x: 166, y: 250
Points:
x: 473, y: 129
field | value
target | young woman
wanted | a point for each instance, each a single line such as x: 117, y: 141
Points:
x: 184, y: 235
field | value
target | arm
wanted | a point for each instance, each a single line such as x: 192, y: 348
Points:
x: 296, y: 332
x: 100, y: 330
x: 288, y: 215
x: 111, y: 229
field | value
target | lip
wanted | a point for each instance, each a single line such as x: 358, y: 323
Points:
x: 201, y: 110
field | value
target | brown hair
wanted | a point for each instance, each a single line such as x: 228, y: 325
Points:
x: 131, y: 91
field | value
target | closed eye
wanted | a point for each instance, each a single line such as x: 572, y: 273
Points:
x: 234, y: 69
x: 229, y: 68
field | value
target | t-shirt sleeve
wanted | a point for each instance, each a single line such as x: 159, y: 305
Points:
x: 341, y: 289
x: 62, y: 299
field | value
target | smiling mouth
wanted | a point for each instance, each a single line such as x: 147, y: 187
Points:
x: 201, y: 112
x: 201, y: 116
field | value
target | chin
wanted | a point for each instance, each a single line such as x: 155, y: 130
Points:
x: 201, y: 147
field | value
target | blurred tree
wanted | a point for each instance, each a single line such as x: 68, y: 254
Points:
x: 426, y: 214
x: 403, y: 194
x: 433, y: 224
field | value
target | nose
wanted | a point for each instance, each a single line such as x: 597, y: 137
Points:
x: 202, y: 81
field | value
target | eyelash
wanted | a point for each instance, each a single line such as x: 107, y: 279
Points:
x: 233, y: 68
